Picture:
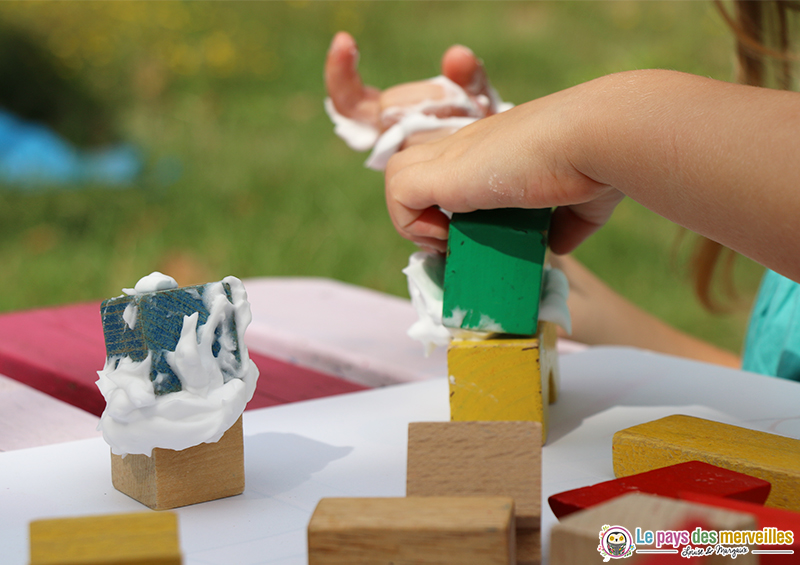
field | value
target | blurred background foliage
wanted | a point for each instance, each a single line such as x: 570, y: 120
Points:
x: 243, y: 173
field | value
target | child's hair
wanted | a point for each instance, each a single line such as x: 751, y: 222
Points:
x: 765, y: 57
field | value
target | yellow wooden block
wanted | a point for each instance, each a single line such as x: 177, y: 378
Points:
x: 169, y: 478
x: 120, y: 539
x: 403, y: 531
x: 574, y: 540
x: 504, y: 378
x: 679, y: 438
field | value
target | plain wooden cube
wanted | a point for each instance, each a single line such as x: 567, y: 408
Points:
x: 118, y: 539
x: 504, y: 378
x: 574, y: 540
x: 478, y: 459
x: 170, y: 479
x: 418, y: 531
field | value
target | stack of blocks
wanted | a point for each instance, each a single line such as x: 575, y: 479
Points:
x: 493, y: 282
x: 500, y: 388
x: 150, y: 324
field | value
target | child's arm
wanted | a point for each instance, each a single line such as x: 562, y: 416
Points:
x: 718, y: 158
x: 600, y: 316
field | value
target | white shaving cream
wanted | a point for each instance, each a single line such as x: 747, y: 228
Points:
x: 425, y: 273
x: 136, y: 420
x: 413, y: 119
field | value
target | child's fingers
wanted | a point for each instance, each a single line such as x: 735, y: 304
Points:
x: 427, y: 228
x: 460, y: 65
x: 347, y: 92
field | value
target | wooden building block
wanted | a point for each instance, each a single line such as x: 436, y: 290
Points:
x: 678, y: 438
x: 575, y: 539
x: 120, y: 539
x: 150, y: 324
x: 478, y: 459
x: 766, y: 517
x: 669, y: 482
x: 493, y: 273
x: 169, y: 479
x: 529, y: 546
x: 503, y: 378
x: 405, y: 531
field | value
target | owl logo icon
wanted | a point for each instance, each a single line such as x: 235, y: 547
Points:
x: 616, y: 542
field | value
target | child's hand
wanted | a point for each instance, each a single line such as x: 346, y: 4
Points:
x: 522, y: 158
x: 382, y: 109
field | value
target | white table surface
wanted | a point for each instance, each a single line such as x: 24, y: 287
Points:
x: 355, y: 445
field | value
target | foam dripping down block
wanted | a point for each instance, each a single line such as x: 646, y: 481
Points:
x: 504, y: 378
x: 679, y: 438
x: 424, y: 531
x: 493, y: 273
x: 117, y: 539
x: 670, y: 482
x: 574, y: 540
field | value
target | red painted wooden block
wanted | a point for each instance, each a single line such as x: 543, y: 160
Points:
x: 692, y: 476
x: 766, y: 517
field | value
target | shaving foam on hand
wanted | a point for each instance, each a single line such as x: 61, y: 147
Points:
x: 413, y: 119
x: 425, y: 273
x: 215, y: 385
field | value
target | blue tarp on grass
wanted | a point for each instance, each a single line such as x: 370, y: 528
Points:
x: 31, y: 156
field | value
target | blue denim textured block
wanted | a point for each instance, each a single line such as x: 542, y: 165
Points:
x: 158, y: 321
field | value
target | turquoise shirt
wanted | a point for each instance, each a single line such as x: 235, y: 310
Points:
x: 772, y: 345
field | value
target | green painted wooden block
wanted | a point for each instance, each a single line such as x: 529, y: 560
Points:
x: 494, y: 268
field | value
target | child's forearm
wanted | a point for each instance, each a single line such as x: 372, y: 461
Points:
x: 601, y: 316
x: 720, y: 159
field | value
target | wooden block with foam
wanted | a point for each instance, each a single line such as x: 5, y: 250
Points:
x: 574, y: 540
x: 666, y: 481
x: 405, y: 531
x: 678, y: 438
x: 169, y: 479
x: 504, y: 378
x: 777, y: 525
x: 119, y: 539
x: 494, y: 268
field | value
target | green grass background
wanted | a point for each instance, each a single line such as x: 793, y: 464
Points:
x: 227, y: 97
